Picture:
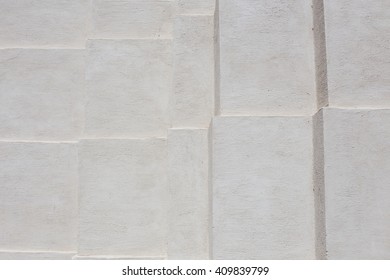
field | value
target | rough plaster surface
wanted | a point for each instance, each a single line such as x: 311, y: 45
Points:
x: 123, y: 197
x: 192, y: 102
x: 128, y: 88
x: 41, y: 94
x: 118, y: 140
x: 357, y: 168
x: 36, y: 255
x: 195, y: 7
x: 38, y: 205
x: 266, y: 58
x: 357, y: 42
x: 188, y: 173
x: 43, y: 23
x: 263, y: 203
x: 131, y: 19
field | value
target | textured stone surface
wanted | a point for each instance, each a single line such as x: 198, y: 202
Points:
x: 123, y: 197
x: 195, y: 7
x: 267, y: 58
x: 38, y: 205
x: 36, y: 255
x: 41, y: 94
x: 131, y: 19
x: 357, y: 168
x: 188, y: 169
x: 128, y: 85
x: 43, y: 23
x: 358, y: 39
x: 262, y: 188
x: 192, y: 100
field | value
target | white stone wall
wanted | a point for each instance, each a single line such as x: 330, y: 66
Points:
x: 194, y: 129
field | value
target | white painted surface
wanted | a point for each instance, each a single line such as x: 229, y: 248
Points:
x: 188, y: 173
x: 267, y: 58
x: 262, y: 188
x: 128, y: 87
x: 131, y: 19
x: 41, y: 94
x: 195, y: 7
x: 193, y: 55
x: 38, y: 205
x: 357, y: 41
x: 43, y: 23
x: 357, y: 168
x: 36, y: 255
x: 123, y: 197
x: 281, y: 181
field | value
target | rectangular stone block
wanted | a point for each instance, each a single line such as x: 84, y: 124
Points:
x: 263, y: 188
x: 192, y: 101
x: 357, y: 176
x: 128, y: 84
x: 41, y: 94
x: 38, y: 205
x: 123, y: 197
x: 188, y: 169
x: 131, y: 19
x: 357, y: 46
x: 266, y: 58
x: 43, y: 23
x: 195, y: 7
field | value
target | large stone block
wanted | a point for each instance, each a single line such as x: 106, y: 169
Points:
x: 266, y: 58
x: 131, y: 19
x: 38, y: 205
x: 263, y: 202
x: 43, y: 23
x: 123, y: 198
x: 41, y: 94
x: 357, y: 46
x: 188, y: 169
x: 192, y: 101
x: 128, y: 84
x: 195, y: 7
x: 357, y: 176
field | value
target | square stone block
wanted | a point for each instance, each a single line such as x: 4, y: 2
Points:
x: 123, y: 198
x: 263, y: 201
x: 38, y: 205
x: 128, y: 87
x: 41, y: 94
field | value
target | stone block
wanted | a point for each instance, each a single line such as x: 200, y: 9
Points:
x: 128, y: 87
x: 43, y: 23
x: 263, y: 201
x: 192, y: 101
x: 357, y: 46
x: 357, y: 176
x: 38, y: 206
x: 266, y: 58
x: 41, y: 94
x: 188, y: 173
x: 123, y: 197
x: 131, y: 19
